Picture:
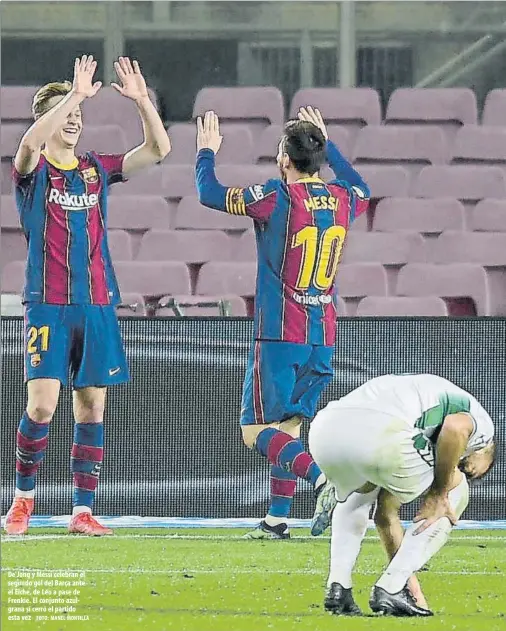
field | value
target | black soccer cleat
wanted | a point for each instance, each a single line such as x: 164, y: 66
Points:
x: 401, y: 604
x: 339, y: 601
x: 264, y: 531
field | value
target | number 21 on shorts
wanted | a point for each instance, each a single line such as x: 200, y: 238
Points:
x: 37, y: 343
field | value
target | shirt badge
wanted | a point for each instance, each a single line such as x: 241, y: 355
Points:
x: 90, y: 175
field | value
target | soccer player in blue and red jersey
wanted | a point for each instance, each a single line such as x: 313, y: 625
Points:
x: 71, y: 290
x: 301, y: 224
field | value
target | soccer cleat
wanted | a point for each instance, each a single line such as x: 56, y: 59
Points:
x: 264, y: 531
x: 18, y: 516
x: 339, y: 601
x: 86, y: 524
x: 400, y: 604
x: 326, y: 500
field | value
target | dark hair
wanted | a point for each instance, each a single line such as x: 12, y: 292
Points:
x: 491, y: 448
x: 305, y: 145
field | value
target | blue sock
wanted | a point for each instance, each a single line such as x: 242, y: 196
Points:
x: 282, y: 450
x: 87, y: 455
x: 283, y: 485
x: 31, y: 444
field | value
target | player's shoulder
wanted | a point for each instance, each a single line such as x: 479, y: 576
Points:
x: 258, y: 192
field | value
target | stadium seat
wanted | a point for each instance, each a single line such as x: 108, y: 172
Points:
x: 236, y: 148
x: 402, y: 306
x: 192, y: 215
x: 148, y: 182
x: 475, y: 144
x: 414, y: 147
x: 243, y: 176
x: 483, y: 248
x: 13, y: 277
x: 11, y: 305
x: 350, y: 107
x: 17, y: 102
x: 341, y: 137
x: 217, y: 279
x: 120, y: 245
x: 188, y: 246
x: 342, y: 309
x: 385, y: 181
x: 103, y: 139
x: 6, y: 174
x: 199, y: 306
x: 178, y: 180
x: 108, y: 107
x: 489, y: 215
x: 457, y: 283
x: 449, y: 108
x: 132, y: 305
x: 427, y: 216
x: 387, y: 248
x: 138, y: 213
x: 465, y: 182
x: 266, y: 144
x: 9, y: 214
x: 245, y: 248
x: 494, y: 110
x: 153, y: 279
x: 357, y: 280
x: 256, y: 106
x: 12, y: 246
x: 10, y: 138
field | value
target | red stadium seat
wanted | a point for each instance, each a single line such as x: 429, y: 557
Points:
x: 245, y: 248
x: 138, y: 213
x: 480, y: 145
x: 132, y: 305
x: 489, y: 215
x: 199, y: 306
x: 147, y: 182
x: 494, y: 110
x: 266, y: 144
x: 189, y: 246
x: 103, y: 139
x: 236, y: 148
x: 153, y: 279
x: 6, y: 173
x: 17, y: 102
x: 387, y: 248
x: 13, y: 277
x: 120, y: 245
x: 483, y: 248
x: 256, y: 106
x: 427, y: 216
x: 191, y: 214
x: 385, y: 181
x: 357, y: 280
x: 227, y: 278
x: 178, y: 181
x: 350, y: 107
x: 465, y: 182
x: 10, y: 138
x: 9, y: 214
x: 12, y: 247
x: 243, y: 176
x: 402, y: 306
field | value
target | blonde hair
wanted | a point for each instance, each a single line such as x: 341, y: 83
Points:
x: 45, y: 93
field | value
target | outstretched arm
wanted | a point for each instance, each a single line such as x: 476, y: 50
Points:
x: 156, y: 143
x: 28, y: 153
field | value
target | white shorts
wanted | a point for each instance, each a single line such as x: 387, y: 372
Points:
x: 354, y: 446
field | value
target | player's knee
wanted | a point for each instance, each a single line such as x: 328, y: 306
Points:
x: 41, y: 410
x: 89, y: 405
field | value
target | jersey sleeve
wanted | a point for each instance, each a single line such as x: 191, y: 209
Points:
x: 348, y: 176
x: 257, y: 202
x: 112, y: 165
x: 23, y: 183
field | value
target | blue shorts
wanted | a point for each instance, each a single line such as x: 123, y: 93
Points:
x: 83, y: 340
x: 284, y: 380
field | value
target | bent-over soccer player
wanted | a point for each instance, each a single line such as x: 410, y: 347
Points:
x: 301, y: 224
x: 71, y: 290
x: 392, y: 440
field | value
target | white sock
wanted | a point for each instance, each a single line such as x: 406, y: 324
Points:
x: 80, y: 509
x: 349, y: 523
x: 25, y: 494
x: 415, y: 551
x: 320, y: 481
x: 270, y: 520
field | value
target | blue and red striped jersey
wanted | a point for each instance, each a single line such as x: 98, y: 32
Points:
x: 63, y: 213
x: 300, y: 231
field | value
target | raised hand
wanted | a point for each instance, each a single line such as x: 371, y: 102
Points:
x: 133, y: 84
x: 208, y: 132
x: 313, y: 115
x: 84, y: 69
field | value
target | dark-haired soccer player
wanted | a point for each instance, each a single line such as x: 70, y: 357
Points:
x: 301, y: 224
x: 71, y: 290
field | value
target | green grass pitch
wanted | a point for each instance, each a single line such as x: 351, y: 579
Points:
x: 211, y: 580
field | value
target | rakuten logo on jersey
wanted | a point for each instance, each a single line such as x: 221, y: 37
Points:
x: 73, y: 202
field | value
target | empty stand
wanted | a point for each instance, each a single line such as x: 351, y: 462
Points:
x: 484, y: 248
x: 148, y: 182
x: 449, y: 108
x: 385, y: 181
x: 227, y: 278
x: 189, y: 246
x: 153, y: 279
x: 10, y: 138
x: 427, y: 216
x: 236, y: 148
x: 138, y: 213
x: 494, y: 110
x: 103, y: 139
x: 256, y: 106
x: 120, y: 245
x: 13, y: 277
x: 132, y: 305
x: 200, y: 306
x: 480, y: 145
x: 357, y: 280
x: 402, y: 306
x: 192, y: 215
x: 266, y: 144
x: 12, y: 247
x: 246, y: 175
x: 464, y: 182
x: 245, y: 248
x: 8, y: 213
x: 350, y: 107
x: 6, y: 175
x: 489, y: 215
x: 178, y: 181
x: 17, y: 102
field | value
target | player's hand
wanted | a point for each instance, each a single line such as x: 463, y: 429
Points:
x: 133, y: 85
x: 84, y: 69
x: 435, y: 506
x: 313, y: 115
x: 208, y: 132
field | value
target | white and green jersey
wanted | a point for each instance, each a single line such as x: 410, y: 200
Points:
x: 423, y: 401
